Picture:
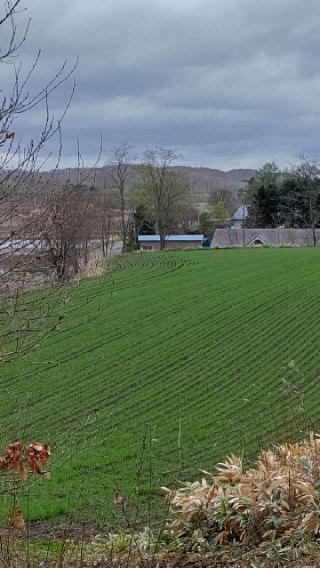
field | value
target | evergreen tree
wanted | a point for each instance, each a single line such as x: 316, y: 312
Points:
x: 263, y: 197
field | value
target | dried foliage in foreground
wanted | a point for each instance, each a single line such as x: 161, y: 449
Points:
x: 20, y: 458
x: 275, y: 502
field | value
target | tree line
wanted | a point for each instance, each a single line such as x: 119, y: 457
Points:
x: 288, y: 198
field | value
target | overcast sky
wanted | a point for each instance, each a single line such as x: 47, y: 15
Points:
x: 229, y: 83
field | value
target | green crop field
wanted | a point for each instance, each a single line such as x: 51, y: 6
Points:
x: 163, y: 369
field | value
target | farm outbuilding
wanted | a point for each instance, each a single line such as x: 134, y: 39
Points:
x: 224, y: 238
x: 152, y: 242
x: 239, y: 218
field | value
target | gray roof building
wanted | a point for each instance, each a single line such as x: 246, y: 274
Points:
x: 224, y: 238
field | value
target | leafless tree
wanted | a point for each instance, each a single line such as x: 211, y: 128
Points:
x: 165, y: 188
x: 105, y: 220
x: 67, y: 229
x: 304, y: 203
x: 221, y: 201
x: 188, y: 216
x: 20, y: 181
x: 122, y: 159
x: 21, y: 162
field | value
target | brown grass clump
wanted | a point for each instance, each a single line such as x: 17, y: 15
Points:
x: 277, y: 500
x: 92, y: 270
x: 16, y: 520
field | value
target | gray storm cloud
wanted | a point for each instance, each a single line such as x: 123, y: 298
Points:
x: 230, y: 83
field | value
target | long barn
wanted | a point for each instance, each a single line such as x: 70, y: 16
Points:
x: 152, y: 242
x: 225, y: 238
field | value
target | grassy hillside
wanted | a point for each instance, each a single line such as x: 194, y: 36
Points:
x: 176, y: 361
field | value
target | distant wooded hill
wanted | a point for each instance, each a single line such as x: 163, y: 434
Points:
x: 202, y: 181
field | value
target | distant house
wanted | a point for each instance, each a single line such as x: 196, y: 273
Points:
x: 152, y: 242
x: 224, y: 238
x: 239, y: 218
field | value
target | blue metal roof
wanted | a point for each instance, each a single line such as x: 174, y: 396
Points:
x: 156, y: 238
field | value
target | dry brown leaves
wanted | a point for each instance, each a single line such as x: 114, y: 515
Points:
x: 21, y: 458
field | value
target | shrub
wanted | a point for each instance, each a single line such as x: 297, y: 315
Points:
x: 277, y: 500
